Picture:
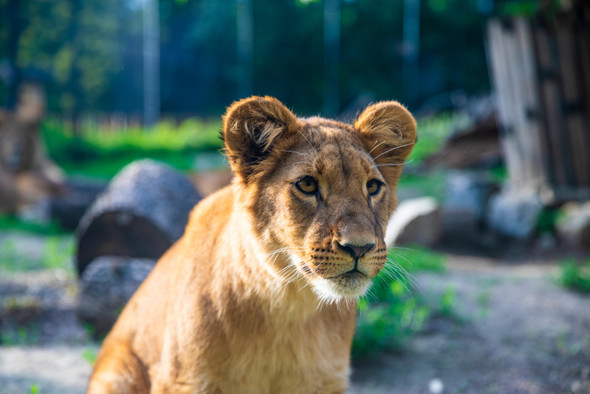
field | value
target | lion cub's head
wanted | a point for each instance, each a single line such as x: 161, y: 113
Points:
x: 320, y: 191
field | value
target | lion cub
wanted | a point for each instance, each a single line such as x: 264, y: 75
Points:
x: 259, y: 294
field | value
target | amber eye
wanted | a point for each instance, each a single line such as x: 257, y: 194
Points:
x: 374, y: 187
x: 307, y: 185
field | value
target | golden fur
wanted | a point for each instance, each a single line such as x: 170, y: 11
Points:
x: 259, y: 295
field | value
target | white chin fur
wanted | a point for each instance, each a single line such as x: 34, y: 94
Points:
x: 329, y: 290
x: 334, y: 290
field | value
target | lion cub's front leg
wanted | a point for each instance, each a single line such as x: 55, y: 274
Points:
x: 118, y: 370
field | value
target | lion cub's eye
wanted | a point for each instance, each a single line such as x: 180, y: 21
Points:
x: 374, y: 187
x: 307, y: 185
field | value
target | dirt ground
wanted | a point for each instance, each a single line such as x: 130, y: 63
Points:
x: 511, y: 329
x: 515, y: 331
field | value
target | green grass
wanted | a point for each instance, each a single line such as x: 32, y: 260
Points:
x: 392, y: 312
x: 15, y: 224
x: 57, y: 252
x: 21, y: 336
x: 575, y: 276
x: 102, y: 153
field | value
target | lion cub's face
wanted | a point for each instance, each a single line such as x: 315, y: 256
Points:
x: 321, y: 191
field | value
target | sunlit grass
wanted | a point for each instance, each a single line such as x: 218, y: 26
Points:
x: 100, y: 152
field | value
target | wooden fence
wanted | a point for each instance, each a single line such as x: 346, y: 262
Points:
x: 541, y: 76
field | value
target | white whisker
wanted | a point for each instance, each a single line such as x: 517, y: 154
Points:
x: 376, y: 145
x: 392, y: 149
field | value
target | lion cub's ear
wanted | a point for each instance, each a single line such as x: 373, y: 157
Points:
x: 250, y: 128
x: 389, y: 132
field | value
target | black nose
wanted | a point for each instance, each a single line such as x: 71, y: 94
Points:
x: 356, y: 251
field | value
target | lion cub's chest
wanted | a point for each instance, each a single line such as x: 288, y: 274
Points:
x: 294, y: 358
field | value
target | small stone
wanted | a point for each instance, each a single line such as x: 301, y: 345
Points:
x: 436, y: 386
x: 585, y: 373
x: 574, y: 226
x: 576, y: 386
x: 415, y: 221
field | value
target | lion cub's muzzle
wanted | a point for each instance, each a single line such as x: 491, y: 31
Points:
x: 344, y: 269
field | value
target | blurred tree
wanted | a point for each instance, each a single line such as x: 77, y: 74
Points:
x: 93, y: 50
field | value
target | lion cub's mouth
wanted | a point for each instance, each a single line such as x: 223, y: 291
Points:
x: 352, y: 274
x: 350, y: 284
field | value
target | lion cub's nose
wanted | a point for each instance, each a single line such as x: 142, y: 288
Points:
x: 356, y: 251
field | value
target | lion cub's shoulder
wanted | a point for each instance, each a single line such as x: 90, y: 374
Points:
x: 213, y: 211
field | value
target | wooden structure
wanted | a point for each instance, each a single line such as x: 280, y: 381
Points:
x: 541, y: 75
x: 27, y: 174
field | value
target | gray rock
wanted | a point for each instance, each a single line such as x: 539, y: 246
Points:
x: 468, y: 193
x: 415, y: 221
x: 464, y: 209
x: 106, y: 286
x: 574, y: 226
x: 515, y: 214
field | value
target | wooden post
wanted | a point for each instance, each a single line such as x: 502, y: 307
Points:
x: 542, y: 82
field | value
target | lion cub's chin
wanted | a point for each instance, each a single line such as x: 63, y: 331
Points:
x: 347, y: 286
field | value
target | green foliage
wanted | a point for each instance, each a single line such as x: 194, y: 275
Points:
x: 520, y: 8
x: 432, y: 184
x: 15, y: 224
x: 530, y: 8
x: 499, y: 173
x: 575, y: 276
x: 416, y: 258
x: 34, y: 389
x: 547, y: 220
x: 102, y: 153
x: 387, y: 324
x: 483, y: 300
x: 89, y: 354
x: 433, y: 132
x: 391, y: 313
x: 447, y: 301
x: 91, y: 52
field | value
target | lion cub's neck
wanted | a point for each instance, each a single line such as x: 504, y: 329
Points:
x: 261, y: 270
